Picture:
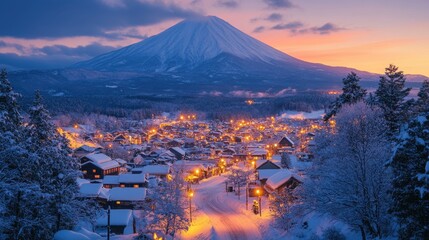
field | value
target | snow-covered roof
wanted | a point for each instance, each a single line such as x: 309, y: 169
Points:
x: 111, y: 179
x: 179, y: 150
x: 127, y: 194
x: 90, y: 189
x: 98, y: 157
x: 278, y: 179
x: 156, y: 169
x: 107, y: 165
x: 118, y: 217
x: 121, y: 161
x: 266, y: 173
x: 132, y: 178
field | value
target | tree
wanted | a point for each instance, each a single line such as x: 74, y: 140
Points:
x: 286, y: 161
x: 410, y: 193
x: 349, y: 179
x: 352, y: 93
x: 169, y: 207
x: 10, y: 119
x: 422, y: 103
x: 391, y: 95
x: 238, y: 178
x: 281, y: 204
x: 56, y: 171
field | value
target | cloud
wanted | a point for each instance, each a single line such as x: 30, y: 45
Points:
x: 227, y: 3
x: 279, y: 3
x: 267, y: 94
x: 87, y: 51
x: 54, y: 56
x: 66, y: 18
x: 288, y: 26
x: 326, y: 29
x: 259, y: 29
x: 274, y: 17
x: 297, y: 27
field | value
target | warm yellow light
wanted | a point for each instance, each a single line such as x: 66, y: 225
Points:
x: 76, y: 126
x: 275, y: 145
x: 191, y: 194
x: 258, y: 191
x: 118, y: 202
x: 197, y: 171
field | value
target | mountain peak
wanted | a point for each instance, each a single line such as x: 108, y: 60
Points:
x: 187, y: 45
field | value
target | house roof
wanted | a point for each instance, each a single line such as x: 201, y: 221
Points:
x: 98, y: 157
x: 118, y: 217
x: 111, y: 179
x: 178, y: 150
x: 156, y: 169
x: 105, y: 165
x: 266, y: 173
x: 90, y: 189
x: 281, y: 177
x: 132, y: 178
x: 127, y: 194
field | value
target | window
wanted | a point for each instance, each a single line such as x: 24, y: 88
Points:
x: 135, y: 185
x: 118, y: 202
x: 122, y: 185
x: 97, y: 176
x: 93, y: 170
x: 84, y: 171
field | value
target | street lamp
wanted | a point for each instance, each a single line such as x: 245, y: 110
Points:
x: 190, y: 195
x: 259, y: 192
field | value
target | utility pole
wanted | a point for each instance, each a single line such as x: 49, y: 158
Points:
x: 108, y: 222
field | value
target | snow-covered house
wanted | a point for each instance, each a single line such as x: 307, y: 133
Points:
x: 97, y: 165
x: 126, y: 198
x: 282, y: 179
x: 285, y: 142
x: 266, y: 164
x: 178, y: 152
x: 264, y: 174
x: 125, y: 180
x: 153, y: 170
x: 121, y: 222
x: 93, y: 190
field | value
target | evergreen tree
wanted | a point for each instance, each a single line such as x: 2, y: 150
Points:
x: 281, y: 204
x: 10, y: 118
x: 422, y: 103
x: 352, y: 93
x: 286, y: 161
x: 410, y: 166
x: 55, y: 172
x: 391, y: 95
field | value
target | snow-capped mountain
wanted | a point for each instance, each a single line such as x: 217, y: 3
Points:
x: 191, y: 45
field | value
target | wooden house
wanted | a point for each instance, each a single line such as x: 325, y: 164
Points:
x: 126, y: 198
x: 121, y: 222
x: 96, y: 166
x: 281, y: 180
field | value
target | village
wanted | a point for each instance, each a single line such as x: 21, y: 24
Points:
x: 119, y: 167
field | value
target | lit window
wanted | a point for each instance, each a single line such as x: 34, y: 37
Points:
x: 136, y: 186
x: 93, y: 170
x: 97, y: 176
x: 122, y: 185
x: 84, y: 171
x: 118, y: 202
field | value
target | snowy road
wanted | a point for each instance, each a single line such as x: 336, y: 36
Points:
x: 225, y: 216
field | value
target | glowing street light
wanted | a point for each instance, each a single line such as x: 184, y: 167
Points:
x: 190, y: 195
x: 259, y: 192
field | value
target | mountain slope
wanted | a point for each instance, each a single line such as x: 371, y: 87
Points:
x: 185, y: 46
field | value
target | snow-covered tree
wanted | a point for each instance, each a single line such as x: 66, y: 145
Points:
x: 169, y: 207
x: 286, y: 161
x: 422, y: 103
x: 10, y: 118
x: 349, y: 179
x: 410, y: 165
x: 352, y: 93
x: 281, y: 204
x: 56, y: 171
x: 391, y: 94
x: 238, y: 178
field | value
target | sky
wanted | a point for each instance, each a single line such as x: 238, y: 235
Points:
x: 363, y: 34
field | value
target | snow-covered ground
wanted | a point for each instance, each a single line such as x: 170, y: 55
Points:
x: 221, y: 215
